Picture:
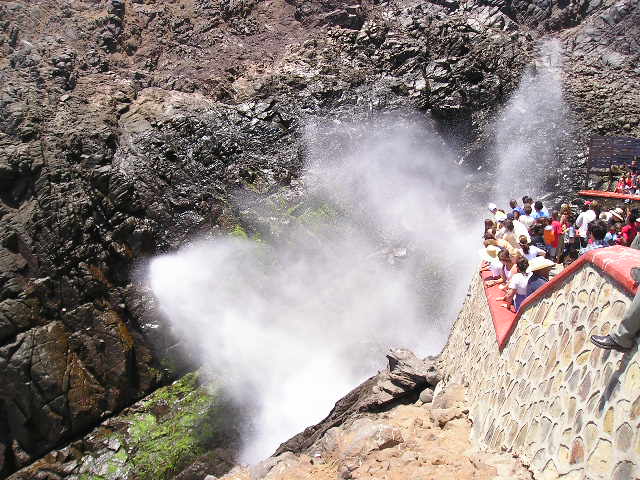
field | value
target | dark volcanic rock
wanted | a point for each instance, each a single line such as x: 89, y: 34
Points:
x: 336, y: 12
x: 182, y: 431
x: 128, y: 127
x: 403, y: 380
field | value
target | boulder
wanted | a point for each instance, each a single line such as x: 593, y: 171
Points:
x: 405, y: 376
x: 366, y: 435
x: 426, y: 396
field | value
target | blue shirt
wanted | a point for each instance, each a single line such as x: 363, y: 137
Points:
x: 610, y: 238
x: 535, y: 282
x: 539, y: 214
x: 520, y: 210
x: 593, y: 246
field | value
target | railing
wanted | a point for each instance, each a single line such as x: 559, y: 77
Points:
x: 615, y: 262
x: 609, y: 195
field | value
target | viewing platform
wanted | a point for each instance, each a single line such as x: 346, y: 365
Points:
x: 615, y: 262
x: 537, y: 386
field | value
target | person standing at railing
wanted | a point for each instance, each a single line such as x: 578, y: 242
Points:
x: 597, y: 232
x: 506, y: 259
x: 520, y: 282
x: 509, y: 234
x: 527, y: 219
x: 513, y: 205
x: 530, y: 251
x: 582, y: 224
x: 629, y: 231
x: 539, y: 210
x: 612, y: 235
x: 539, y: 268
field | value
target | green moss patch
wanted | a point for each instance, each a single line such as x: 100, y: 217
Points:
x: 238, y: 232
x: 159, y: 436
x: 179, y: 423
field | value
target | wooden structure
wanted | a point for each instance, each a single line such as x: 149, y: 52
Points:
x: 607, y: 152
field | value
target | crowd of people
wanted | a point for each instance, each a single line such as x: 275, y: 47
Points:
x: 629, y: 179
x: 524, y: 244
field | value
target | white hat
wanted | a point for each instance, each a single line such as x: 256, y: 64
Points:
x: 618, y: 210
x: 492, y: 207
x: 500, y: 216
x: 538, y: 263
x: 617, y: 213
x: 490, y: 253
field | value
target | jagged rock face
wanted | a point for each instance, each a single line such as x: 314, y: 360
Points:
x: 126, y: 126
x: 602, y: 70
x: 550, y: 15
x: 402, y: 381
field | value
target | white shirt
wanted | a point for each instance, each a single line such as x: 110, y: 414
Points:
x: 519, y: 282
x: 583, y: 221
x: 495, y: 267
x: 527, y: 220
x: 520, y: 228
x: 506, y: 272
x: 533, y: 252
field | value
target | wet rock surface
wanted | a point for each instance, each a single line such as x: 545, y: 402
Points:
x: 127, y: 127
x: 184, y: 431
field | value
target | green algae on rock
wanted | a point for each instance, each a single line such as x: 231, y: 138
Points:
x: 153, y: 440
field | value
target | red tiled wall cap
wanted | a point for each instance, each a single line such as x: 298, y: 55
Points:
x: 602, y: 194
x: 615, y: 262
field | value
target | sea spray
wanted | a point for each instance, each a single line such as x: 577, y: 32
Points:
x: 530, y: 129
x: 296, y: 323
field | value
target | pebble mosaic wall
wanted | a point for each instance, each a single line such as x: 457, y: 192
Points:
x: 568, y: 409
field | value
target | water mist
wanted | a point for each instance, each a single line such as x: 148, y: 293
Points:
x: 530, y: 129
x: 295, y: 324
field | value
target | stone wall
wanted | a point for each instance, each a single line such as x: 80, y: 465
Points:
x: 568, y: 409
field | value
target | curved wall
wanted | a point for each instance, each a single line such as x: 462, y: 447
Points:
x: 567, y: 408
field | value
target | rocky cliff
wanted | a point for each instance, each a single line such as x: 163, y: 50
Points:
x: 126, y: 127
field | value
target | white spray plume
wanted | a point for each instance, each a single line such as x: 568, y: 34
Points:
x: 529, y: 130
x: 297, y: 324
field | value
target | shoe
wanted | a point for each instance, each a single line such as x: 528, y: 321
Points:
x: 635, y: 274
x: 607, y: 343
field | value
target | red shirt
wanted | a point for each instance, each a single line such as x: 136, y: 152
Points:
x: 557, y: 230
x: 628, y: 234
